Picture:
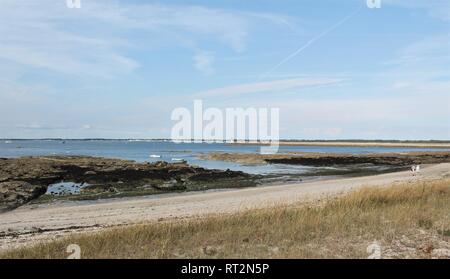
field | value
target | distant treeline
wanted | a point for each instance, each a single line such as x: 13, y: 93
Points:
x: 368, y: 141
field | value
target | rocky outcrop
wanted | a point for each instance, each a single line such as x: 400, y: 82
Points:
x: 374, y: 159
x: 25, y: 179
x: 16, y: 193
x: 327, y: 159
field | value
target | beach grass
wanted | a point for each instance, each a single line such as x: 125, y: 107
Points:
x: 408, y: 220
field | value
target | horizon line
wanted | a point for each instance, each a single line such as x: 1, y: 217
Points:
x: 238, y: 140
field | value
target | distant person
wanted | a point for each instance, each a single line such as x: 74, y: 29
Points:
x: 415, y: 169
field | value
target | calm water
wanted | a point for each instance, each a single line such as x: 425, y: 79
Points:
x: 65, y: 188
x: 167, y: 151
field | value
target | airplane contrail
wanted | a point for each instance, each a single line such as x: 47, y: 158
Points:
x: 303, y: 47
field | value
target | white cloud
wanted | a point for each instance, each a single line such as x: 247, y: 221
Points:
x: 318, y: 133
x: 274, y: 85
x: 437, y: 8
x: 96, y: 39
x: 422, y: 67
x: 432, y: 51
x: 204, y: 62
x: 12, y: 92
x: 397, y: 116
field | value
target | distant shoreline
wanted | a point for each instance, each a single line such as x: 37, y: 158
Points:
x: 393, y: 144
x: 286, y: 142
x: 239, y: 140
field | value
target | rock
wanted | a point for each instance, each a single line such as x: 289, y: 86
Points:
x: 181, y: 162
x: 113, y: 190
x: 172, y: 184
x: 161, y: 164
x: 26, y: 178
x: 326, y: 159
x: 16, y: 193
x: 209, y: 250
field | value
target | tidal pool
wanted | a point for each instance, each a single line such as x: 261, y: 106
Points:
x: 65, y: 188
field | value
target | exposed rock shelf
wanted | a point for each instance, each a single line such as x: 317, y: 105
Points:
x: 25, y: 179
x: 335, y: 159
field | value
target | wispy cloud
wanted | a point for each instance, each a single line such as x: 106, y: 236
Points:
x: 203, y: 62
x: 396, y: 116
x: 309, y: 43
x: 421, y: 67
x: 437, y: 8
x: 96, y: 39
x: 432, y: 49
x: 275, y: 85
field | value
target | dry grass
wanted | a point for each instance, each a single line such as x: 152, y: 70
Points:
x: 409, y: 220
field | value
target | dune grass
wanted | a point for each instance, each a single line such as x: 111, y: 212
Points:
x: 406, y: 220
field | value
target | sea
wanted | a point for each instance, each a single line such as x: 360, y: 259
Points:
x: 166, y: 150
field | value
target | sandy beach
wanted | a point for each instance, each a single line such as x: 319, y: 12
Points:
x: 32, y: 223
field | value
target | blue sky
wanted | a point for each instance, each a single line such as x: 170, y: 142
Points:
x: 336, y: 69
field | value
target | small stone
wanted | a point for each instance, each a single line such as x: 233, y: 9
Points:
x: 209, y: 250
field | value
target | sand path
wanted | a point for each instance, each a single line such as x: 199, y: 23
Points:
x: 42, y: 222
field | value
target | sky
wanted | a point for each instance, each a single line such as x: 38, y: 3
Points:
x: 336, y: 69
